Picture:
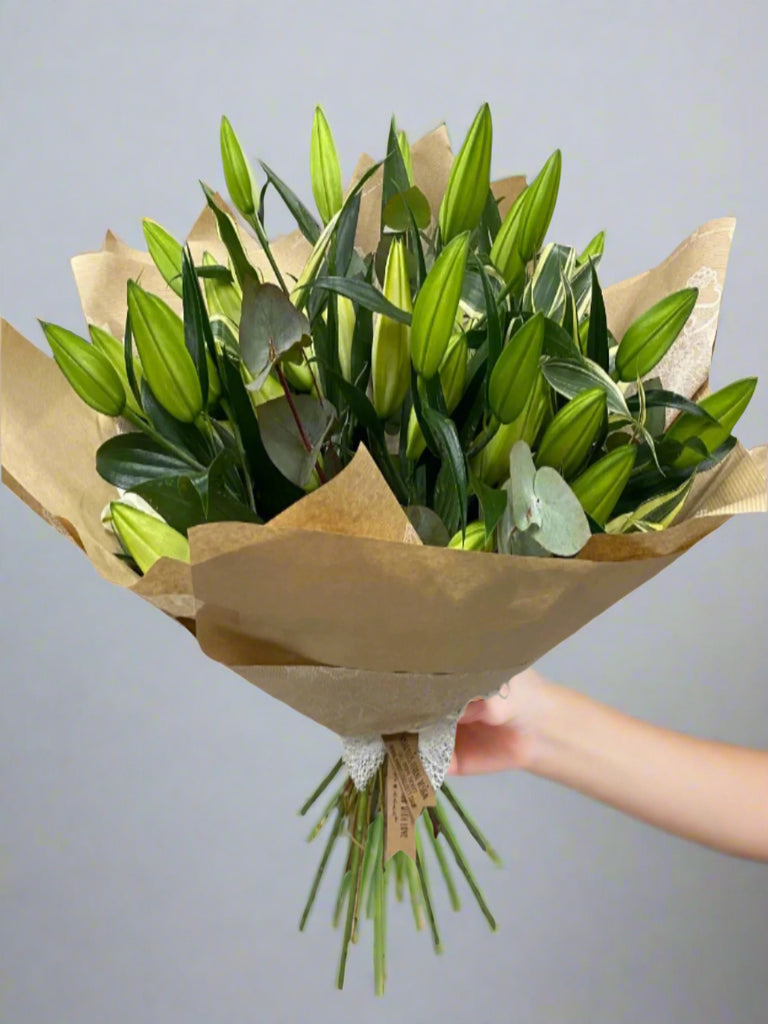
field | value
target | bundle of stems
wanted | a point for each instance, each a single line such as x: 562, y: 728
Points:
x: 357, y: 817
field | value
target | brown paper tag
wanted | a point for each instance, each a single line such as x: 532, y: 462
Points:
x: 399, y: 824
x: 403, y: 752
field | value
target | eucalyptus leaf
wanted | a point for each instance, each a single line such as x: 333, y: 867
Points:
x: 270, y: 326
x: 429, y: 526
x: 397, y: 213
x: 292, y: 448
x: 564, y: 528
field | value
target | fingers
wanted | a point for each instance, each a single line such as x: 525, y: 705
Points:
x: 482, y: 748
x: 496, y: 710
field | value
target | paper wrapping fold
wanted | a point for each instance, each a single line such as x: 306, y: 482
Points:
x: 334, y: 607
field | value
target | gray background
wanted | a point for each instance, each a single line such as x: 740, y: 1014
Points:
x: 153, y: 866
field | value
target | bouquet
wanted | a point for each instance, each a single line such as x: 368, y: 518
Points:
x: 381, y: 464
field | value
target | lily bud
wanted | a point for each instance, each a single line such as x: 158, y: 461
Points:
x: 473, y: 538
x: 593, y: 248
x: 648, y: 338
x: 115, y: 353
x: 539, y: 207
x: 147, y: 538
x: 345, y: 318
x: 600, y: 486
x: 405, y: 151
x: 167, y: 365
x: 89, y: 372
x: 470, y: 179
x: 505, y: 251
x: 324, y: 168
x: 241, y: 183
x: 491, y: 464
x: 223, y: 298
x: 434, y: 315
x: 569, y: 437
x: 391, y: 351
x: 516, y: 370
x: 726, y: 405
x: 165, y: 252
x: 453, y: 377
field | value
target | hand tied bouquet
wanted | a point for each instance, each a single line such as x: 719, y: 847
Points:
x: 335, y: 456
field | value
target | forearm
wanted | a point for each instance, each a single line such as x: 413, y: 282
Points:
x: 712, y: 793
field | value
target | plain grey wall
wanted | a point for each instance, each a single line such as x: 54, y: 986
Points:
x: 153, y: 866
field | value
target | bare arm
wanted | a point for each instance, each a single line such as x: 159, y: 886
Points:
x: 712, y: 793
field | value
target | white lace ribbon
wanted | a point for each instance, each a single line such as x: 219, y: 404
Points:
x: 364, y: 755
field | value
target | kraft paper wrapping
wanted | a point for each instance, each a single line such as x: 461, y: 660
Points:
x: 334, y: 607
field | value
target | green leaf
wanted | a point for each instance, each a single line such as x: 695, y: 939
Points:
x: 569, y: 377
x: 128, y: 355
x: 395, y: 178
x: 231, y: 238
x: 175, y: 498
x: 446, y: 500
x: 443, y: 430
x: 273, y: 492
x: 564, y: 528
x: 364, y: 294
x: 270, y: 326
x: 493, y: 503
x: 429, y: 526
x: 659, y: 398
x: 360, y: 405
x: 522, y: 476
x: 130, y: 459
x: 492, y: 319
x: 196, y: 322
x: 558, y: 343
x: 185, y: 436
x: 344, y: 240
x: 304, y: 219
x: 545, y: 291
x: 397, y: 214
x: 286, y: 443
x: 597, y: 339
x: 220, y: 504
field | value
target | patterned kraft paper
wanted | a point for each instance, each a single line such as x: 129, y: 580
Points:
x: 335, y: 607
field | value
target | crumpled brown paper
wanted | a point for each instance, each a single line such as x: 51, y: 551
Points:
x: 334, y: 607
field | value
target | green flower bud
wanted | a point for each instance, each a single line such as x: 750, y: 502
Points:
x: 539, y: 207
x: 167, y: 365
x: 726, y: 405
x: 505, y: 251
x: 345, y: 318
x: 516, y: 370
x: 271, y: 388
x: 469, y: 180
x: 569, y: 437
x: 434, y: 315
x: 453, y: 377
x: 88, y: 370
x: 115, y: 353
x: 238, y: 175
x: 297, y: 371
x: 147, y: 538
x: 405, y: 150
x: 600, y: 486
x: 473, y: 539
x: 593, y: 249
x: 324, y: 168
x: 491, y: 464
x: 223, y: 299
x: 391, y: 351
x: 648, y: 338
x: 165, y: 251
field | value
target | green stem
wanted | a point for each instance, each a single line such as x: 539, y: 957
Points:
x: 424, y: 879
x: 472, y: 828
x: 444, y: 868
x: 322, y: 787
x: 414, y: 889
x: 355, y: 871
x: 337, y: 827
x: 333, y: 802
x: 256, y: 224
x: 441, y: 822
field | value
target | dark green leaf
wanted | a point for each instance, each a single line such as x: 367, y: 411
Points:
x: 446, y: 500
x: 493, y: 504
x: 359, y: 405
x: 220, y: 504
x: 304, y: 219
x: 557, y: 342
x: 443, y: 431
x: 183, y: 435
x: 130, y: 459
x: 492, y: 319
x: 128, y: 352
x: 659, y: 398
x: 395, y: 176
x: 175, y: 498
x: 196, y: 322
x: 230, y: 237
x: 363, y: 294
x: 597, y: 339
x: 344, y: 238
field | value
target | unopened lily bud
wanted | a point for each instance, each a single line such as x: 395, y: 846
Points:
x: 391, y: 351
x: 271, y: 388
x: 600, y: 486
x: 405, y: 150
x: 167, y: 365
x: 473, y: 539
x: 539, y: 206
x: 491, y: 464
x: 114, y: 350
x: 569, y: 437
x: 505, y: 251
x: 324, y: 168
x: 165, y: 252
x: 241, y: 183
x: 453, y: 377
x: 89, y: 371
x: 593, y: 248
x: 345, y: 318
x: 297, y: 371
x: 726, y: 405
x: 470, y: 179
x: 223, y: 298
x: 147, y: 538
x: 434, y: 315
x: 516, y: 370
x: 647, y: 339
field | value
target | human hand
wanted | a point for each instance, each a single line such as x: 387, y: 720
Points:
x: 499, y: 734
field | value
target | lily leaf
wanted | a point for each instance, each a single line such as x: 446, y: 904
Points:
x: 127, y: 460
x: 442, y: 430
x: 175, y: 498
x: 364, y: 294
x: 569, y: 377
x: 304, y: 219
